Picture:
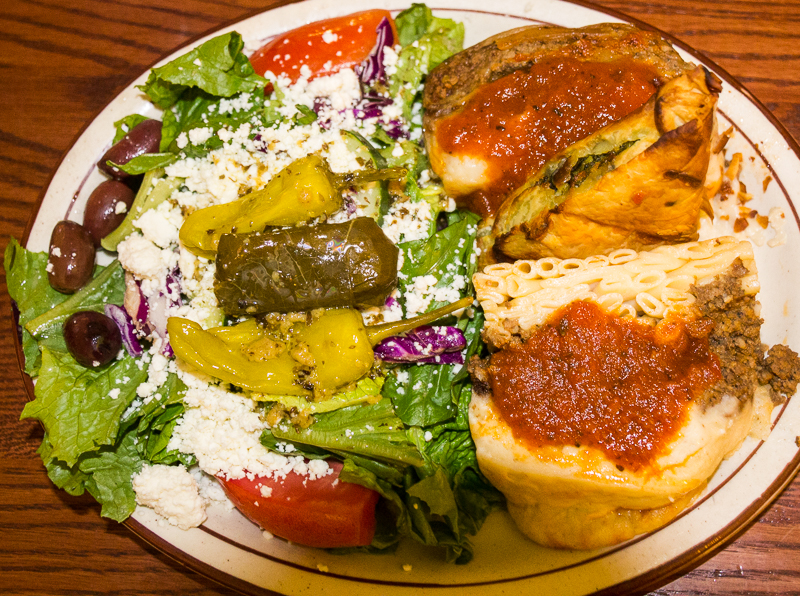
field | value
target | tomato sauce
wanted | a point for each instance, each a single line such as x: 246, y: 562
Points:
x: 519, y: 121
x: 588, y: 378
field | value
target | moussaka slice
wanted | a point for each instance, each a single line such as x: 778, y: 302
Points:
x: 618, y: 383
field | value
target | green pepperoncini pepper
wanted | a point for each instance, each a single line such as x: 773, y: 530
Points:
x: 339, y: 345
x: 303, y: 190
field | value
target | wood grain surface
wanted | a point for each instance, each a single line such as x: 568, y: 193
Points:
x: 61, y: 62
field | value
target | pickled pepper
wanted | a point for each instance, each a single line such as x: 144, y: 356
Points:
x: 297, y: 269
x: 336, y: 347
x: 303, y: 190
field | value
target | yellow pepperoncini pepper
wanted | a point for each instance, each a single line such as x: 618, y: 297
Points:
x: 303, y: 190
x: 336, y: 350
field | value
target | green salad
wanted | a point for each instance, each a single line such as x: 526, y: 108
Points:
x: 278, y: 258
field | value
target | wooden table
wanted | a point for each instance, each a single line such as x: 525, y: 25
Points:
x: 61, y: 62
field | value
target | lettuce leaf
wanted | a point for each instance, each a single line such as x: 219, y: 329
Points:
x: 430, y: 395
x: 109, y: 473
x: 74, y: 404
x: 217, y: 67
x: 146, y: 162
x: 67, y: 478
x: 372, y: 431
x: 427, y: 42
x: 26, y: 279
x: 105, y: 473
x: 447, y: 255
x: 107, y: 287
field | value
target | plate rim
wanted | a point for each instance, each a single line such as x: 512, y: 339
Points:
x: 640, y: 584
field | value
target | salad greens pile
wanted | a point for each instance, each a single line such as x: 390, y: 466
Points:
x: 404, y: 434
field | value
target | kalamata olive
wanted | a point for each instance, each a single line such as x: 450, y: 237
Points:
x: 145, y: 137
x: 71, y: 259
x: 92, y: 338
x: 106, y: 208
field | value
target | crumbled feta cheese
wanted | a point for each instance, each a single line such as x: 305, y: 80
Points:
x: 389, y: 60
x: 114, y: 393
x: 223, y: 430
x: 141, y: 257
x: 170, y: 491
x: 160, y: 225
x: 407, y: 221
x: 329, y: 36
x: 198, y: 136
x: 120, y: 208
x: 210, y: 490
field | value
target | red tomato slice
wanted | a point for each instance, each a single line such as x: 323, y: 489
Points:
x: 349, y: 42
x: 324, y: 513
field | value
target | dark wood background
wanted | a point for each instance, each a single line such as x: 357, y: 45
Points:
x: 61, y: 62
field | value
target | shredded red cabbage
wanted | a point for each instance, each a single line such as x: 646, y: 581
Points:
x: 126, y: 328
x: 425, y: 345
x: 371, y: 70
x: 136, y: 304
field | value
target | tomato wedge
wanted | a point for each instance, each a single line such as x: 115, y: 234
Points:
x: 324, y: 513
x: 324, y: 46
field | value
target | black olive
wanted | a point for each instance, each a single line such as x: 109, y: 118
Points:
x: 143, y: 138
x: 70, y: 262
x: 92, y: 338
x: 102, y: 215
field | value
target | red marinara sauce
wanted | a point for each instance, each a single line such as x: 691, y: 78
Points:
x: 592, y: 379
x: 521, y: 120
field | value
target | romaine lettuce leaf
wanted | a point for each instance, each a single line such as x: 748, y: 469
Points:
x: 70, y: 479
x: 146, y: 162
x: 109, y: 473
x: 26, y: 279
x: 75, y: 406
x: 196, y: 109
x: 218, y: 67
x: 447, y: 255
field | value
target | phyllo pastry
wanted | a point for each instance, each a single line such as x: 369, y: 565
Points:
x: 617, y: 384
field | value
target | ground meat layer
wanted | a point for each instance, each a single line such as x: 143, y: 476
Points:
x: 736, y: 339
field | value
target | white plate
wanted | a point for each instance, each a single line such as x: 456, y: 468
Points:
x: 234, y: 552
